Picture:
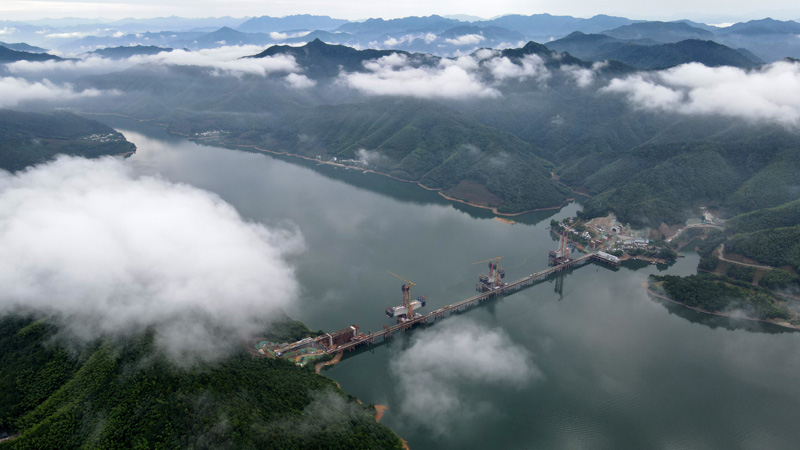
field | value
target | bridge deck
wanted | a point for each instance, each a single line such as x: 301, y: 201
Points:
x: 439, y: 313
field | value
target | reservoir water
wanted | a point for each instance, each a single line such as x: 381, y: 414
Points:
x: 588, y: 361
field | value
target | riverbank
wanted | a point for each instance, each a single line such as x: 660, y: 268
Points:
x: 318, y: 366
x: 437, y: 190
x: 782, y: 324
x: 493, y: 209
x: 651, y: 260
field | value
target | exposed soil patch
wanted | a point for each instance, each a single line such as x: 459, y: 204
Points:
x: 473, y: 192
x: 318, y: 366
x: 379, y: 410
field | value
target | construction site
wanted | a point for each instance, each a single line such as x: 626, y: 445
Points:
x: 407, y: 315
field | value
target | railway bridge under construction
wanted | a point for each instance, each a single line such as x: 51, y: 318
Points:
x: 350, y: 338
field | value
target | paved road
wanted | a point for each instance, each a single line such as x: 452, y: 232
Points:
x: 721, y: 256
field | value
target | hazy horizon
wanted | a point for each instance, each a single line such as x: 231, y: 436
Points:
x: 707, y: 11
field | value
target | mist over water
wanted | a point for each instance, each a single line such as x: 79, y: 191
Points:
x: 587, y: 362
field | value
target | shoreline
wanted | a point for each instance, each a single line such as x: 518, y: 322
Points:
x: 318, y: 366
x: 437, y: 190
x: 307, y: 158
x: 719, y: 314
x: 627, y: 257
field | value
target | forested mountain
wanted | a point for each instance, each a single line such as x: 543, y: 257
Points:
x: 120, y: 395
x: 23, y: 47
x: 127, y: 52
x: 32, y: 138
x: 647, y: 167
x: 324, y: 60
x: 8, y: 56
x: 267, y: 24
x: 664, y: 32
x: 646, y: 54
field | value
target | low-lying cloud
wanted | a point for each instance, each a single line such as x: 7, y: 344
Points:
x: 530, y: 66
x: 222, y: 60
x: 466, y: 39
x: 108, y: 253
x: 768, y: 94
x: 438, y: 372
x: 14, y: 91
x: 469, y: 76
x: 408, y: 39
x: 299, y: 81
x: 394, y: 75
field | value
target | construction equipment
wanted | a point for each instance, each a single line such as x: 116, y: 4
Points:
x: 406, y: 310
x: 560, y: 256
x: 493, y: 279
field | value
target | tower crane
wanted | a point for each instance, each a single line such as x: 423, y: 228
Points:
x: 491, y: 281
x: 561, y: 255
x: 407, y: 302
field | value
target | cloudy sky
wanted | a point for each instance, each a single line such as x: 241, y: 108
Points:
x: 705, y: 10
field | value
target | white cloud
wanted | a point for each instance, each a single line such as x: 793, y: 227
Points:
x: 108, y: 253
x: 530, y: 66
x: 223, y: 60
x: 485, y: 53
x: 646, y: 94
x: 394, y: 75
x: 409, y: 38
x: 299, y: 81
x: 393, y: 42
x: 278, y: 36
x: 437, y: 372
x: 770, y: 94
x: 467, y: 63
x: 17, y: 90
x: 72, y: 35
x: 582, y: 77
x: 88, y: 65
x: 7, y: 30
x: 466, y: 39
x: 371, y: 157
x: 228, y: 60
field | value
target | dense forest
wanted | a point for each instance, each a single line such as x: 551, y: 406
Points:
x: 115, y: 394
x: 775, y: 247
x: 721, y: 294
x: 30, y: 138
x: 786, y: 215
x: 646, y: 167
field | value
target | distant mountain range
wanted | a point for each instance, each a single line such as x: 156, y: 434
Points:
x: 127, y: 52
x: 758, y: 40
x: 23, y: 47
x: 8, y: 56
x: 648, y: 54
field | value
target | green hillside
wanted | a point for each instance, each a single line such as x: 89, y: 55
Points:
x: 413, y: 140
x: 775, y: 247
x: 123, y: 395
x: 785, y: 215
x: 721, y: 294
x: 32, y: 138
x: 647, y: 167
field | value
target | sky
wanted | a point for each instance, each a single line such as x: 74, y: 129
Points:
x: 701, y: 10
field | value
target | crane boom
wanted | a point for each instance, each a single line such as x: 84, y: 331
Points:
x: 490, y: 259
x: 406, y: 293
x: 401, y: 278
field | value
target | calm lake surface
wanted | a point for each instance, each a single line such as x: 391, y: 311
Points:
x: 614, y: 369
